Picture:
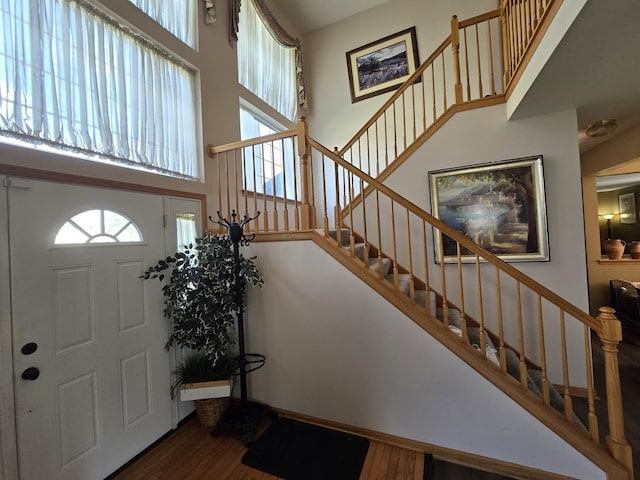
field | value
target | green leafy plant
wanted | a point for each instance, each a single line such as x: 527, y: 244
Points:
x: 200, y: 297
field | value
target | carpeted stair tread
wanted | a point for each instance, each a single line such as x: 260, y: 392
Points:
x: 345, y: 235
x: 374, y: 265
x: 358, y: 248
x: 455, y: 319
x: 404, y: 280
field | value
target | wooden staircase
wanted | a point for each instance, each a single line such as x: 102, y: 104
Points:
x: 519, y: 335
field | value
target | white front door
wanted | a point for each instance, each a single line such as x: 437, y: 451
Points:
x: 92, y: 376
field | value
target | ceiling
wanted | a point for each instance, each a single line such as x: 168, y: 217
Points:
x: 595, y: 69
x: 312, y: 14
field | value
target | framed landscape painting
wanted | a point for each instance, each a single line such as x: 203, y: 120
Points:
x: 500, y: 206
x: 383, y: 65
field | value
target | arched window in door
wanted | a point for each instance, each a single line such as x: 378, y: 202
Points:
x: 98, y: 226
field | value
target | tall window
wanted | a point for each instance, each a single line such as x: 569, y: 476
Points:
x: 265, y: 67
x: 73, y: 78
x: 177, y: 16
x: 268, y: 167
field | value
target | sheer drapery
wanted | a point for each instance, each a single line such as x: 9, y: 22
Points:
x: 269, y: 60
x: 177, y: 16
x: 73, y: 78
x: 268, y: 166
x: 185, y: 230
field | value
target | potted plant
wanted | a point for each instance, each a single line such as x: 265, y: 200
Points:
x: 200, y: 301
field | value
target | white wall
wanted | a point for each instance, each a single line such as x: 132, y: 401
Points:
x: 485, y: 135
x: 333, y: 119
x: 337, y: 350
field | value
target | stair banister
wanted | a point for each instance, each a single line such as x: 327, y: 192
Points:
x: 455, y: 48
x: 611, y: 335
x: 305, y: 184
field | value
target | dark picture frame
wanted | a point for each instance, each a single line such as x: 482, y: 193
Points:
x: 500, y: 205
x: 628, y: 211
x: 383, y: 65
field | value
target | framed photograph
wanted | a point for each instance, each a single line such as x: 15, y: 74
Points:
x: 382, y: 65
x: 627, y: 204
x: 500, y: 206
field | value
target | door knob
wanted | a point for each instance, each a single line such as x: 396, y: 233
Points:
x: 29, y: 348
x: 31, y: 373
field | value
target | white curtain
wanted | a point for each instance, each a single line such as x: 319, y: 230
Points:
x: 177, y: 16
x: 265, y: 67
x: 185, y: 230
x: 73, y: 78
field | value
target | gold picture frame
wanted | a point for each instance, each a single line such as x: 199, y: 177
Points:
x: 500, y: 206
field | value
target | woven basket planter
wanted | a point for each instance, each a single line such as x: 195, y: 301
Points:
x: 211, y: 410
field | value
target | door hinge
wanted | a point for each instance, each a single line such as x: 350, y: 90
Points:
x: 164, y: 221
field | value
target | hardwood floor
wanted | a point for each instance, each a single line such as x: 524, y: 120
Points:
x: 191, y: 453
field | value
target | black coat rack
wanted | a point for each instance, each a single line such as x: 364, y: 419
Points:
x: 246, y: 419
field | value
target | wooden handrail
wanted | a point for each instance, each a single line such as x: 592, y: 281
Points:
x: 212, y: 150
x: 458, y: 237
x: 397, y: 94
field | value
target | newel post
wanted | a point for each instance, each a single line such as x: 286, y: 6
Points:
x: 612, y: 335
x: 455, y: 47
x: 307, y: 220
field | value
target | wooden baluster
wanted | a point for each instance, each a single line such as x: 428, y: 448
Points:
x: 412, y: 287
x: 352, y: 238
x: 324, y: 201
x: 368, y: 155
x: 395, y: 250
x: 527, y: 19
x: 612, y: 335
x: 219, y: 173
x: 264, y: 189
x: 466, y: 64
x: 424, y: 102
x: 427, y: 282
x: 413, y: 111
x: 236, y: 179
x: 455, y: 48
x: 404, y: 124
x: 245, y: 192
x: 523, y: 29
x: 395, y: 132
x: 365, y: 255
x: 276, y: 222
x: 305, y: 185
x: 433, y: 90
x: 506, y: 44
x: 483, y: 340
x: 463, y: 325
x: 540, y: 9
x: 591, y: 416
x: 490, y: 48
x: 523, y: 362
x: 359, y: 154
x: 284, y: 186
x: 479, y: 65
x: 338, y: 208
x: 312, y: 211
x: 443, y: 279
x: 380, y: 262
x: 568, y: 401
x: 377, y: 151
x: 386, y: 142
x: 226, y: 165
x: 295, y: 185
x: 543, y: 354
x: 255, y: 186
x: 503, y: 352
x: 444, y: 84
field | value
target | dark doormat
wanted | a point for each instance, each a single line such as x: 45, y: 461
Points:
x: 294, y: 450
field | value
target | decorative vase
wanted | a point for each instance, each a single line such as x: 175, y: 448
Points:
x: 634, y: 250
x: 614, y: 248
